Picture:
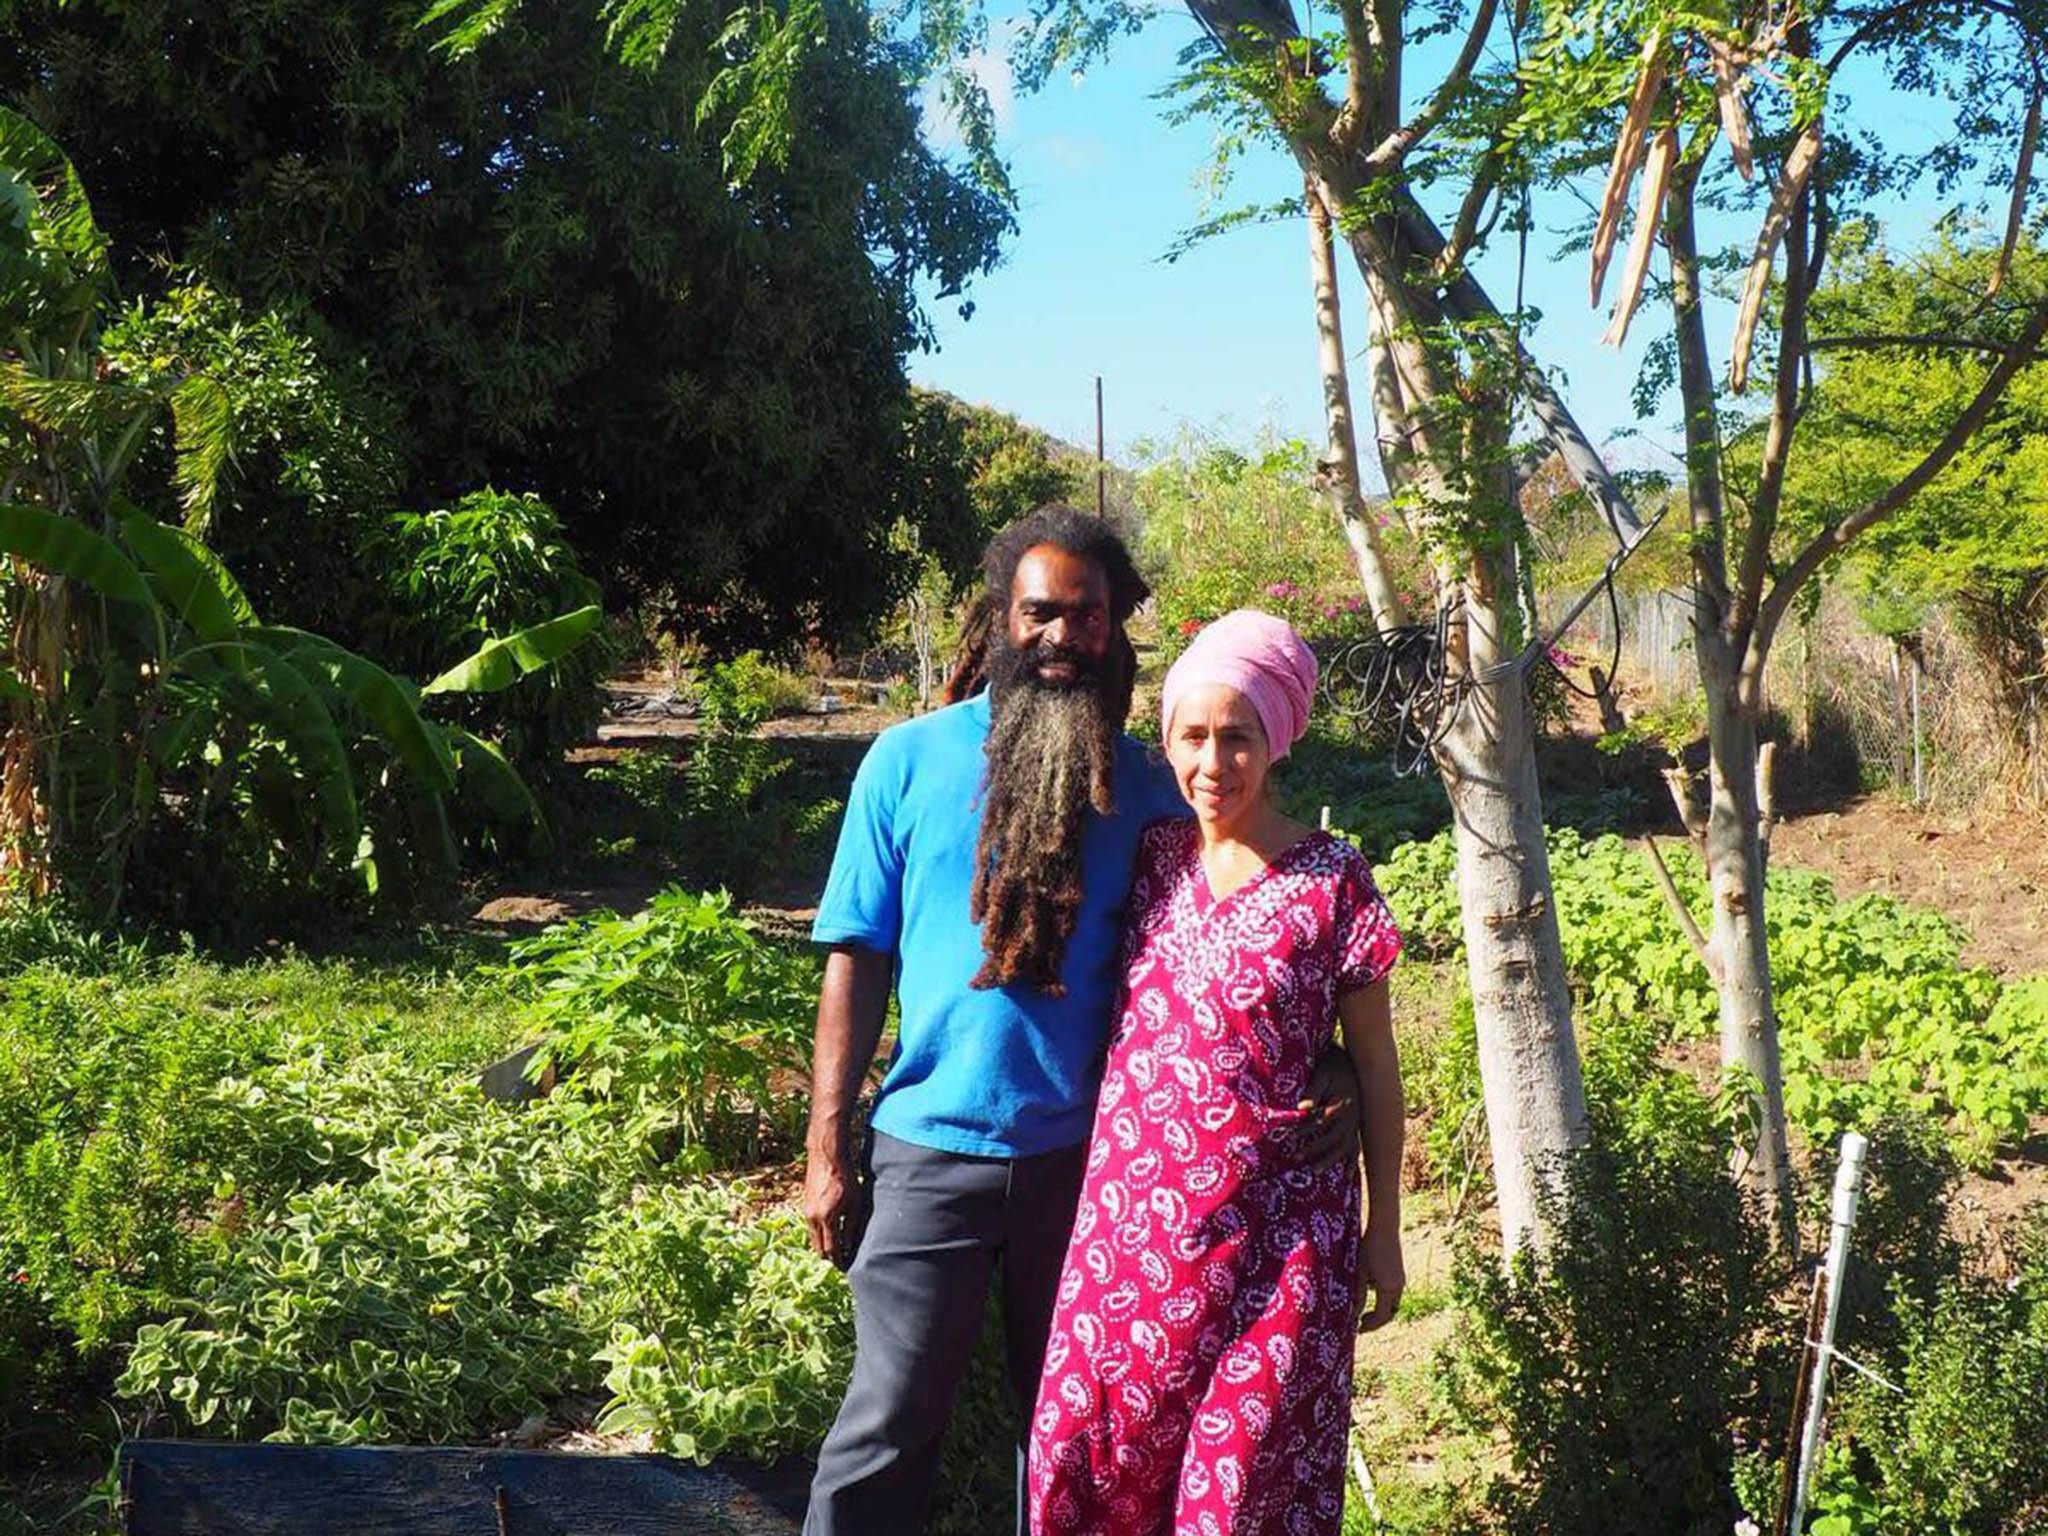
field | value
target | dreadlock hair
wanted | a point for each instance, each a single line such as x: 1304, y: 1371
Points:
x: 1051, y: 754
x: 1078, y: 533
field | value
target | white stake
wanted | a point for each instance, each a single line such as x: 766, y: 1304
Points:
x: 1848, y: 1188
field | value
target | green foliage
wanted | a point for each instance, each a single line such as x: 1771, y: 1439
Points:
x: 312, y: 459
x: 682, y: 1007
x: 1617, y: 1367
x: 1962, y: 1448
x: 1976, y: 539
x: 1287, y: 552
x: 541, y: 252
x: 737, y: 804
x: 408, y: 1297
x: 172, y: 731
x: 725, y: 1333
x: 1875, y: 1012
x: 119, y: 1163
x: 741, y: 693
x: 1378, y: 810
x: 979, y: 471
x: 490, y: 567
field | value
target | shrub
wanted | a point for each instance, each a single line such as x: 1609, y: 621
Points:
x: 749, y: 689
x: 1619, y: 1367
x: 683, y: 1005
x: 724, y: 1333
x: 414, y: 1297
x: 1961, y: 1447
x: 1288, y: 555
x: 121, y: 1160
x: 491, y: 565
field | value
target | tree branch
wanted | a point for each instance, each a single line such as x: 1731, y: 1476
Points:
x: 1464, y: 299
x: 1834, y: 540
x: 1690, y: 816
x: 1766, y: 799
x: 1359, y: 81
x: 1465, y: 227
x: 1687, y: 923
x: 1696, y: 393
x: 1391, y: 150
x: 1755, y: 566
x: 1337, y: 475
x: 1874, y: 24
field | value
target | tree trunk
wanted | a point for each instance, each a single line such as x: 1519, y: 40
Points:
x: 1338, y: 473
x: 1521, y: 998
x: 1449, y: 450
x: 1735, y: 858
x: 1732, y: 838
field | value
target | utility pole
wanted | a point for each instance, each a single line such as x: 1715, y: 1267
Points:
x: 1101, y: 460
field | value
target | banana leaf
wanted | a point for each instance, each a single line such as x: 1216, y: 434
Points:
x: 191, y: 579
x: 69, y: 548
x: 500, y: 663
x: 385, y: 701
x: 60, y: 258
x: 498, y: 784
x: 288, y: 702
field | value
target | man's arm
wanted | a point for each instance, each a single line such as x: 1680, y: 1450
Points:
x: 851, y: 1007
x: 1369, y: 1041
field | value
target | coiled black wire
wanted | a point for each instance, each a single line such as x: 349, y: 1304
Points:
x: 1399, y: 680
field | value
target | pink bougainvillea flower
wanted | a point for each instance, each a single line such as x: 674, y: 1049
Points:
x: 1282, y: 590
x: 1559, y: 657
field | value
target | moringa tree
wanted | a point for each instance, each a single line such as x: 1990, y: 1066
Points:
x: 1447, y: 379
x: 1765, y: 78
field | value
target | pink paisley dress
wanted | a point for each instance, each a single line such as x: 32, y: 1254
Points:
x: 1198, y: 1375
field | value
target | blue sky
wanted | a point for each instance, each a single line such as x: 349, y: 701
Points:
x: 1223, y: 339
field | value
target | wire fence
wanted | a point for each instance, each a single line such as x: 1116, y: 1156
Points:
x: 1846, y: 694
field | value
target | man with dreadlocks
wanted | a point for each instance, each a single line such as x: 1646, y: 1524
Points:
x: 982, y: 869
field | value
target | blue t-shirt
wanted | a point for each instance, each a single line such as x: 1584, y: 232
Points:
x: 1000, y: 1072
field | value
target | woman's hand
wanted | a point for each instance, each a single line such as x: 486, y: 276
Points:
x: 1379, y: 1270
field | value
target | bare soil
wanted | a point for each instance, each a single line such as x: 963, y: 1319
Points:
x: 1988, y: 873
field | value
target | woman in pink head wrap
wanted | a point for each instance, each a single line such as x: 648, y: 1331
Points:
x: 1198, y: 1376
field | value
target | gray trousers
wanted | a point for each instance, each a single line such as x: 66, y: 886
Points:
x: 941, y: 1224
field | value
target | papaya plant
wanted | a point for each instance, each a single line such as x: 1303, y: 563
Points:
x: 135, y: 674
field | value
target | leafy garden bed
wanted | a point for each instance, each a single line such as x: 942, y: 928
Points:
x: 269, y: 1200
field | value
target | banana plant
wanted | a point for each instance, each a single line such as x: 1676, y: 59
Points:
x: 211, y: 677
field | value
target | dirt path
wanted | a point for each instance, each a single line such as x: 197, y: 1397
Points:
x: 1990, y: 877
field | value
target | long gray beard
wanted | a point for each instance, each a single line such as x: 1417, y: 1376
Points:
x: 1051, y: 757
